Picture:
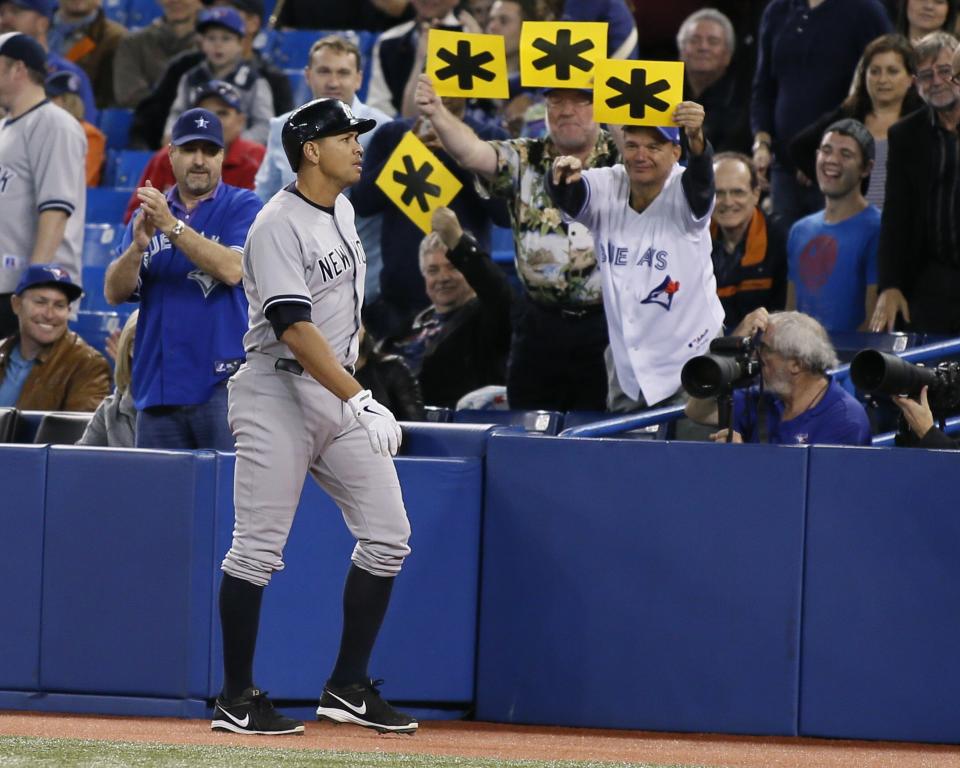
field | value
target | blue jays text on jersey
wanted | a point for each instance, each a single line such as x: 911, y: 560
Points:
x: 619, y: 256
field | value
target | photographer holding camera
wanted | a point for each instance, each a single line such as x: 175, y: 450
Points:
x: 919, y: 418
x: 796, y: 402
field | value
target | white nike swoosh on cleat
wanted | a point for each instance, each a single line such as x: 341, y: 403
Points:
x: 242, y: 723
x: 359, y: 710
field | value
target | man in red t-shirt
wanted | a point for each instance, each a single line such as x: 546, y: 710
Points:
x: 242, y: 158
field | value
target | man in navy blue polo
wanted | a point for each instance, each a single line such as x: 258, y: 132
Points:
x: 180, y: 258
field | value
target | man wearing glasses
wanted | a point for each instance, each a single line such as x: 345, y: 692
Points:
x: 919, y: 255
x: 556, y: 353
x: 749, y: 248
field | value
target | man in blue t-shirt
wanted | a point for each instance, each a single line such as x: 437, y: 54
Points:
x: 181, y: 259
x: 799, y: 404
x: 832, y: 254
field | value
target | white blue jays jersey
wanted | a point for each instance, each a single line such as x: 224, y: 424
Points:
x: 659, y: 292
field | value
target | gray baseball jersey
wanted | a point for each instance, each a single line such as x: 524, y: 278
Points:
x: 297, y: 252
x: 42, y: 168
x: 287, y: 424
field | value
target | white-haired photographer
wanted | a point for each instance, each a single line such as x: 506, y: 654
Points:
x: 796, y: 402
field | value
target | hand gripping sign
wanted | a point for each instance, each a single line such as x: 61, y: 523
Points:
x: 416, y: 181
x: 561, y: 54
x: 462, y: 64
x: 637, y: 92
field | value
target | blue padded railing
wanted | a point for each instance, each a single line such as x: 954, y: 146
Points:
x: 616, y: 425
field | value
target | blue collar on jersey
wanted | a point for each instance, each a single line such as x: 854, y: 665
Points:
x: 173, y: 198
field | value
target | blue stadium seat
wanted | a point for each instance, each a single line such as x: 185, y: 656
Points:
x: 106, y: 204
x: 141, y: 12
x: 288, y: 48
x: 99, y: 241
x: 124, y: 166
x: 298, y: 86
x: 93, y: 299
x: 95, y: 327
x: 367, y: 41
x: 116, y: 10
x: 438, y: 415
x: 544, y: 422
x: 579, y: 418
x: 502, y: 249
x: 115, y: 122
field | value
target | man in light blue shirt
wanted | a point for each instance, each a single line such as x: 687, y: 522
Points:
x: 333, y: 70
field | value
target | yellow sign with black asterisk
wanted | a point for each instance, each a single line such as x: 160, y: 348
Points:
x: 637, y: 92
x: 416, y: 181
x: 463, y: 64
x: 561, y: 54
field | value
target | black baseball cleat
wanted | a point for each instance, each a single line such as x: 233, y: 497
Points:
x: 361, y: 704
x: 252, y: 713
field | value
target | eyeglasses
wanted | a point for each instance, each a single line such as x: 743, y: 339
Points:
x: 943, y: 72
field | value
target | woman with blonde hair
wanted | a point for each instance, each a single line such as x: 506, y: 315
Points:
x: 115, y: 420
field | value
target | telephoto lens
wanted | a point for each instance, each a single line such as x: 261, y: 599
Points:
x: 882, y: 373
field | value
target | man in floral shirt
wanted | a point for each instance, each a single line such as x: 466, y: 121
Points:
x: 556, y: 353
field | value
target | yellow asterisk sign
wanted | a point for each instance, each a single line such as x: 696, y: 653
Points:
x: 637, y: 92
x: 561, y: 54
x: 463, y: 64
x: 416, y: 181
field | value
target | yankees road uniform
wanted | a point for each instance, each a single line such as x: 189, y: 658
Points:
x: 659, y: 291
x: 284, y: 421
x: 41, y: 169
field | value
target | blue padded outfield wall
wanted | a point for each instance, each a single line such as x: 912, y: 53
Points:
x: 582, y: 582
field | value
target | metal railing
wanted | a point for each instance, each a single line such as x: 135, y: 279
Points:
x: 656, y: 416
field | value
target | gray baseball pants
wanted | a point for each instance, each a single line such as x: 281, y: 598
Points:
x: 284, y: 426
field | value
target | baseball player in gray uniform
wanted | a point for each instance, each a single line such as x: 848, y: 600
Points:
x: 295, y: 408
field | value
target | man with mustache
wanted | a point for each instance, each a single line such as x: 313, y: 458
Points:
x: 180, y: 258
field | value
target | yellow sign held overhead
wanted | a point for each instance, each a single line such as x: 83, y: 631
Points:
x: 416, y: 181
x: 637, y: 92
x: 463, y: 64
x: 561, y: 54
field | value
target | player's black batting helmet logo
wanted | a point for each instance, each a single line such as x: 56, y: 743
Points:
x: 316, y: 119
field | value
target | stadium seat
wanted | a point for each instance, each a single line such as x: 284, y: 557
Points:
x: 8, y: 424
x: 95, y: 327
x: 62, y: 427
x: 579, y: 418
x: 298, y: 86
x: 99, y: 242
x: 105, y: 205
x: 116, y: 10
x: 141, y: 12
x: 438, y: 415
x: 544, y: 422
x: 124, y: 166
x: 115, y: 122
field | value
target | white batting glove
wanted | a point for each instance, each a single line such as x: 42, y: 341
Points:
x: 382, y: 428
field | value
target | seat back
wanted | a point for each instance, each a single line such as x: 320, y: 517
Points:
x: 8, y: 424
x: 62, y: 427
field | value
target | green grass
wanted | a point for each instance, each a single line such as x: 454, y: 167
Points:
x: 17, y: 752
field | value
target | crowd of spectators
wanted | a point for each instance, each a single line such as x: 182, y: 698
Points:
x: 818, y: 158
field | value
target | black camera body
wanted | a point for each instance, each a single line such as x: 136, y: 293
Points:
x: 877, y: 372
x: 732, y: 364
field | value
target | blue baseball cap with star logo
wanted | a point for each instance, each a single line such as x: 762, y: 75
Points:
x: 197, y: 125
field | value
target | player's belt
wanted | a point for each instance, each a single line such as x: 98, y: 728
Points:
x: 290, y: 365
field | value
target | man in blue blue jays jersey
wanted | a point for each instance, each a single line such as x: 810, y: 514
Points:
x: 180, y: 258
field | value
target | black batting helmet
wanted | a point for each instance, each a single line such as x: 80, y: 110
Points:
x: 316, y: 119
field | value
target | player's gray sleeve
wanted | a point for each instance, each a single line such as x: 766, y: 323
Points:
x: 261, y: 111
x: 275, y: 262
x: 180, y: 104
x: 57, y: 151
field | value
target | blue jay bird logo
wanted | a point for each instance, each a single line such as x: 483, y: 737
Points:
x: 663, y: 294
